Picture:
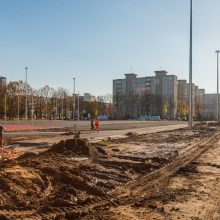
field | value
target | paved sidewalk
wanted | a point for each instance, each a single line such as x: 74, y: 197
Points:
x: 94, y: 136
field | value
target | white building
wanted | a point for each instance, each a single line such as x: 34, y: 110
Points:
x: 89, y: 98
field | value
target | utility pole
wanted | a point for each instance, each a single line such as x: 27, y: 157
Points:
x: 217, y: 113
x: 26, y: 94
x: 32, y: 109
x: 5, y: 107
x: 73, y: 98
x: 62, y: 107
x: 46, y: 109
x: 78, y: 106
x: 190, y: 123
x: 18, y: 107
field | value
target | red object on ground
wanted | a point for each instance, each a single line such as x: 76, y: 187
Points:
x: 24, y: 127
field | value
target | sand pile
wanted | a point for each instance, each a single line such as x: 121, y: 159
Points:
x: 80, y: 147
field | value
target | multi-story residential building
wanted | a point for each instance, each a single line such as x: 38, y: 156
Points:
x: 210, y: 106
x: 88, y: 97
x: 199, y: 102
x: 183, y: 90
x: 164, y: 90
x: 183, y: 98
x: 122, y: 96
x: 2, y: 95
x: 2, y: 84
x: 139, y: 96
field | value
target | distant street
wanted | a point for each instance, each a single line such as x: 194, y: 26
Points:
x: 85, y: 125
x: 107, y: 128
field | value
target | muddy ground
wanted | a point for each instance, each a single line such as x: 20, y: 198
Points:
x: 75, y: 179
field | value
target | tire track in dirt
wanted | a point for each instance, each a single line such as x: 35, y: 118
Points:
x: 137, y: 187
x: 213, y: 211
x: 22, y: 188
x: 134, y: 191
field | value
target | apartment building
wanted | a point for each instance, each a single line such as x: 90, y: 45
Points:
x: 140, y: 96
x: 164, y: 91
x: 183, y: 90
x: 210, y: 106
x: 183, y: 98
x: 199, y: 102
x: 88, y: 97
x: 2, y: 84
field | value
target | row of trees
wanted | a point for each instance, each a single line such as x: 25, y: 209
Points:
x: 48, y: 102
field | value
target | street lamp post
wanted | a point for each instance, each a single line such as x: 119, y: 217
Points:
x: 5, y: 107
x: 74, y: 99
x: 217, y: 113
x: 46, y: 110
x: 26, y: 93
x: 62, y: 107
x: 78, y: 106
x: 190, y: 73
x: 18, y: 107
x: 32, y: 109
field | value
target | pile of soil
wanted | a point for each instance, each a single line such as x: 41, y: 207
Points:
x: 188, y: 169
x: 80, y: 147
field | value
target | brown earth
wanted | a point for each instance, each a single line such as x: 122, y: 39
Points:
x: 165, y: 175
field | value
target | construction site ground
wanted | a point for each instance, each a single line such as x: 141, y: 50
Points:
x: 170, y: 174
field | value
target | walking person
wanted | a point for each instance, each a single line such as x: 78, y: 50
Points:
x: 1, y: 141
x: 97, y: 124
x: 1, y: 135
x: 92, y: 125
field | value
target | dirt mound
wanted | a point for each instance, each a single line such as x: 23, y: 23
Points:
x: 76, y: 147
x: 26, y: 155
x: 190, y: 168
x: 131, y: 134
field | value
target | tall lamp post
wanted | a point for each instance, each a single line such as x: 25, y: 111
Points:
x: 18, y: 106
x: 46, y: 109
x: 5, y: 106
x: 190, y: 72
x: 32, y: 108
x: 74, y: 105
x: 26, y: 93
x: 62, y: 107
x: 217, y: 113
x: 78, y: 106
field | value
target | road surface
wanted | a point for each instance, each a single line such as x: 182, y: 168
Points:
x: 85, y: 125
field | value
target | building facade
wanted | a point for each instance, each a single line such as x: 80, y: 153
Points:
x: 183, y: 100
x: 164, y: 91
x: 2, y: 95
x: 88, y: 97
x: 2, y: 84
x: 199, y: 102
x: 210, y: 106
x: 141, y: 96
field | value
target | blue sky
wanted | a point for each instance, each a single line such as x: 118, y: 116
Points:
x: 97, y: 41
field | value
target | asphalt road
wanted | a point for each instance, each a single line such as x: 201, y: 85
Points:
x: 104, y: 125
x: 111, y: 127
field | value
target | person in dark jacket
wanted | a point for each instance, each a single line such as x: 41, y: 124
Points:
x: 1, y: 135
x: 92, y: 125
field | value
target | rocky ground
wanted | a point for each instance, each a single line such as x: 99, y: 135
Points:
x: 165, y: 175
